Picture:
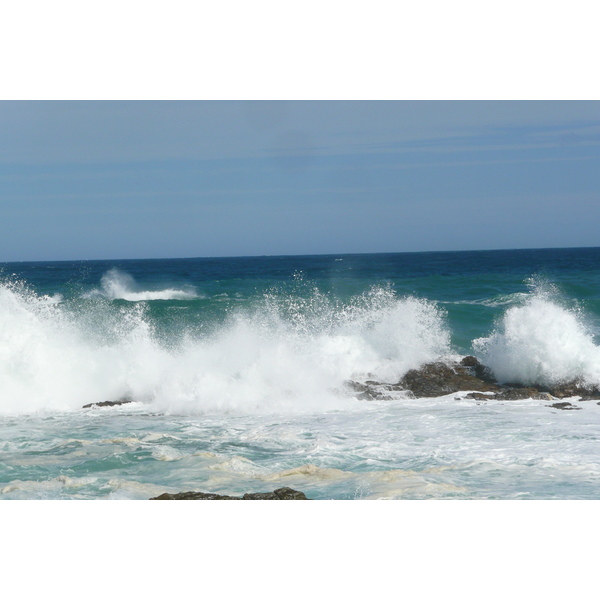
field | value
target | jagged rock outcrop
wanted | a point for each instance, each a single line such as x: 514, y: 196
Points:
x: 440, y: 379
x: 469, y: 375
x: 283, y: 493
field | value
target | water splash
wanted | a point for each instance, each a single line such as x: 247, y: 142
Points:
x: 544, y: 340
x: 118, y: 285
x: 290, y: 352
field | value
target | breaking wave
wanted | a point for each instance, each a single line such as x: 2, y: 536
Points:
x: 118, y: 285
x: 290, y: 349
x: 286, y: 353
x: 543, y: 340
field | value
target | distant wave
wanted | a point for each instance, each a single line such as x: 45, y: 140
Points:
x: 118, y: 285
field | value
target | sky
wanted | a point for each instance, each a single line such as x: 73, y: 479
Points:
x: 160, y: 179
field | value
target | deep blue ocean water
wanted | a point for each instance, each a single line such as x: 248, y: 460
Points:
x: 238, y: 369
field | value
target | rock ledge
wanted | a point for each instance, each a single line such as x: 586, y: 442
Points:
x: 469, y: 375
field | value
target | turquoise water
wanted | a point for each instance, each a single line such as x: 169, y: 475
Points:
x: 237, y: 369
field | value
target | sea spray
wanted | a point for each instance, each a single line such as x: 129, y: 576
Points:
x: 286, y: 353
x: 292, y: 355
x: 119, y: 285
x: 541, y: 341
x: 56, y: 356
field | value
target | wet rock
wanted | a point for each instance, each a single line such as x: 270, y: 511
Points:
x: 518, y: 393
x: 194, y: 496
x: 367, y: 390
x: 478, y: 370
x: 480, y: 396
x: 440, y: 379
x: 470, y: 361
x: 469, y: 375
x: 284, y: 493
x: 568, y: 390
x: 564, y: 406
x: 376, y: 390
x: 108, y: 403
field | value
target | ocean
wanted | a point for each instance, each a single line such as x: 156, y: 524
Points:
x: 237, y: 374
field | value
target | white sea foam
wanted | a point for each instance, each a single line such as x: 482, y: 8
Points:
x: 541, y: 341
x: 54, y: 299
x: 51, y: 358
x: 287, y: 354
x: 118, y: 285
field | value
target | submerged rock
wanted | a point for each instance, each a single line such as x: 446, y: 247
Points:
x: 283, y: 493
x: 108, y: 403
x: 564, y: 406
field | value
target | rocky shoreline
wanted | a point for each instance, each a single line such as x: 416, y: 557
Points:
x: 441, y: 379
x: 469, y: 375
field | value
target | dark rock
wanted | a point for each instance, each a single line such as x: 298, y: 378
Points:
x: 439, y: 379
x: 480, y: 396
x: 284, y: 493
x: 367, y: 390
x: 564, y: 406
x: 108, y: 403
x: 372, y: 390
x: 478, y: 370
x: 568, y: 390
x: 430, y: 380
x: 194, y: 496
x: 519, y: 393
x: 470, y: 361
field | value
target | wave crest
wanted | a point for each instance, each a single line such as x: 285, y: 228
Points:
x: 285, y: 354
x: 541, y: 341
x: 118, y: 285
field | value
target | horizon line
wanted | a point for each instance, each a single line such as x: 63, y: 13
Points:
x: 67, y: 260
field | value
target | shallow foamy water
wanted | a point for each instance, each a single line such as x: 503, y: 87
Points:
x: 402, y: 449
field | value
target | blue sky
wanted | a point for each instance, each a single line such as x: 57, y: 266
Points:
x: 128, y: 179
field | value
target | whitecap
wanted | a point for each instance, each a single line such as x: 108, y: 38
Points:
x: 119, y: 285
